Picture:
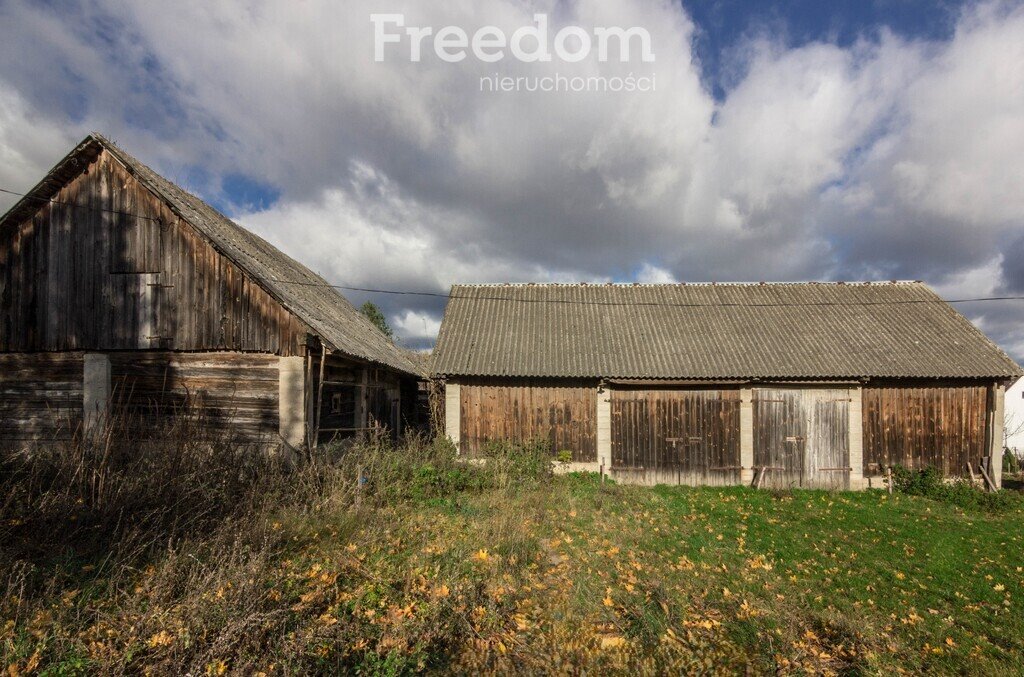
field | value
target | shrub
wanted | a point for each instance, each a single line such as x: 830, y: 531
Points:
x: 419, y: 468
x: 929, y: 483
x: 1011, y: 464
x: 511, y: 465
x: 925, y: 482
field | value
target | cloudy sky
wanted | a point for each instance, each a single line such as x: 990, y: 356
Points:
x: 802, y: 141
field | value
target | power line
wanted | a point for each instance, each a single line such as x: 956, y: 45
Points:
x: 396, y: 292
x: 475, y: 297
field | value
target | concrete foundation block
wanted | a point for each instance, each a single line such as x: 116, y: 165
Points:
x: 604, y: 428
x: 453, y: 412
x: 998, y: 412
x: 292, y: 401
x: 856, y: 424
x: 96, y: 391
x: 747, y: 436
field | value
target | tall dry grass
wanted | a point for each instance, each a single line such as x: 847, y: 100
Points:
x: 123, y: 553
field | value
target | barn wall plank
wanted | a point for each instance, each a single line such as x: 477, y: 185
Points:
x: 40, y: 396
x: 227, y: 391
x: 920, y: 426
x: 563, y: 415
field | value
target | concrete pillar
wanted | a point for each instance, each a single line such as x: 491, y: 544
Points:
x: 453, y: 412
x: 998, y: 409
x: 95, y: 391
x: 604, y: 428
x: 291, y: 403
x: 747, y: 436
x: 857, y: 439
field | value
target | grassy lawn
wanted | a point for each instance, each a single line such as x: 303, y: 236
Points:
x: 456, y: 569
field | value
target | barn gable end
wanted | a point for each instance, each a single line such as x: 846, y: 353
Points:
x: 106, y: 265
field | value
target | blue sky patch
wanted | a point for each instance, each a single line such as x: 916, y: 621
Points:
x: 724, y: 25
x: 245, y: 193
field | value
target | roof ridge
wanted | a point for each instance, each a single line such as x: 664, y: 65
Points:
x: 788, y: 283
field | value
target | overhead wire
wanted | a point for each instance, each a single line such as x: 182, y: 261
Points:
x: 479, y: 297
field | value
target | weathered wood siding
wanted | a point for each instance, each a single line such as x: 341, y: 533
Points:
x: 916, y: 427
x: 563, y: 415
x: 384, y: 400
x: 82, y: 275
x: 802, y: 435
x: 40, y: 396
x: 354, y: 398
x: 235, y: 393
x: 691, y: 436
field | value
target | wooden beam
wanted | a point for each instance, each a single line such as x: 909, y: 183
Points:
x: 988, y: 480
x: 320, y: 395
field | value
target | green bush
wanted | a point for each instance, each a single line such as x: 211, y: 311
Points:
x: 929, y: 483
x: 1011, y: 464
x: 515, y: 464
x: 431, y: 482
x: 926, y: 482
x: 424, y: 469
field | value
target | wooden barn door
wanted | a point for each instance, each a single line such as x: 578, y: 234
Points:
x: 682, y: 436
x: 780, y: 437
x: 801, y: 436
x: 827, y: 463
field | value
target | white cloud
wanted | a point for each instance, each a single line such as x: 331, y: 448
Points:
x: 651, y: 274
x: 28, y: 143
x: 416, y: 325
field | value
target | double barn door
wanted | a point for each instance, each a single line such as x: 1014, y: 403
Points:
x: 801, y: 437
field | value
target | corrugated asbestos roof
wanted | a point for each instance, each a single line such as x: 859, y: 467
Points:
x: 328, y: 314
x: 712, y: 331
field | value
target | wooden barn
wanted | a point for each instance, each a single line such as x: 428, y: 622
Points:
x: 120, y: 293
x: 781, y: 385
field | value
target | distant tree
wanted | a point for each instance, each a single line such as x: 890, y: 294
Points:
x: 371, y: 311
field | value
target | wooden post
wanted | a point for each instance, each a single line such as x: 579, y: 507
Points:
x: 307, y: 397
x: 988, y: 480
x: 362, y: 405
x: 888, y: 477
x: 320, y: 395
x: 970, y: 471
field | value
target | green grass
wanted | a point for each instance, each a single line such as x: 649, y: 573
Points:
x: 458, y: 573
